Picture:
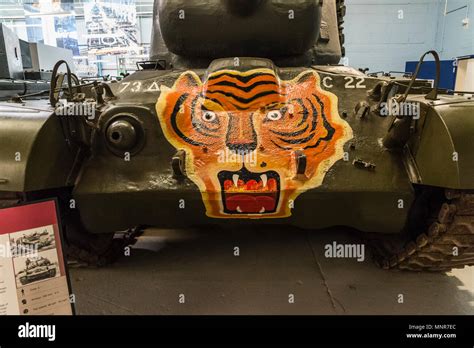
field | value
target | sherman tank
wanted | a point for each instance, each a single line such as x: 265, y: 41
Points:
x: 242, y: 116
x: 37, y: 269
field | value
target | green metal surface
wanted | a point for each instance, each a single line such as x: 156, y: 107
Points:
x: 113, y: 194
x: 33, y: 153
x: 442, y: 148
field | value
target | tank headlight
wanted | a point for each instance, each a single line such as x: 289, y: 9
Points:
x: 124, y: 133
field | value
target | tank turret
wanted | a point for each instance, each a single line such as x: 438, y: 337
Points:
x: 191, y: 34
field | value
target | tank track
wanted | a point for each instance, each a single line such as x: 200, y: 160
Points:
x: 78, y: 256
x: 447, y: 244
x: 341, y: 12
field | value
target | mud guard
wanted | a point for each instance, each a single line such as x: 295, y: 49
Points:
x: 34, y: 153
x: 442, y: 154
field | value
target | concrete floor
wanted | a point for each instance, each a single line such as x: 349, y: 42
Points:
x: 271, y: 266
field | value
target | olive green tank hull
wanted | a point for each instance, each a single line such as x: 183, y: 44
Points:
x: 272, y: 138
x: 114, y: 194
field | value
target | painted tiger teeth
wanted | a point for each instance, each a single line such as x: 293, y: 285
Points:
x: 264, y: 179
x: 235, y: 179
x: 238, y: 209
x: 262, y: 210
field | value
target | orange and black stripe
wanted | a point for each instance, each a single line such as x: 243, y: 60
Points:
x: 236, y: 92
x: 242, y: 92
x: 307, y: 135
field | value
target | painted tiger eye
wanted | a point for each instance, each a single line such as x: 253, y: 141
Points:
x: 261, y: 148
x: 204, y: 149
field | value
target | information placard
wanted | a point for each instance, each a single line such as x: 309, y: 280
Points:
x: 33, y: 274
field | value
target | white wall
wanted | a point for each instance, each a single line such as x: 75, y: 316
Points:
x: 383, y: 35
x: 145, y: 26
x: 453, y: 39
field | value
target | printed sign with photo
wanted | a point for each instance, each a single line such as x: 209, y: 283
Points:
x: 33, y: 274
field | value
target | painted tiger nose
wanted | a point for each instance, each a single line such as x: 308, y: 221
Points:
x: 242, y: 148
x: 241, y: 136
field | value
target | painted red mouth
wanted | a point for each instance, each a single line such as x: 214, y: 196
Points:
x: 244, y: 192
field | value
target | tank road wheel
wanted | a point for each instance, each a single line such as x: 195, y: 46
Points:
x: 439, y: 235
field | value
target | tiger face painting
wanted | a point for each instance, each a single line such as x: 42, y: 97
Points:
x: 291, y: 131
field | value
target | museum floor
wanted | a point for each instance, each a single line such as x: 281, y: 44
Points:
x: 273, y: 269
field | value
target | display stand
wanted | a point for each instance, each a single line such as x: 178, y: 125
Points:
x: 33, y: 273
